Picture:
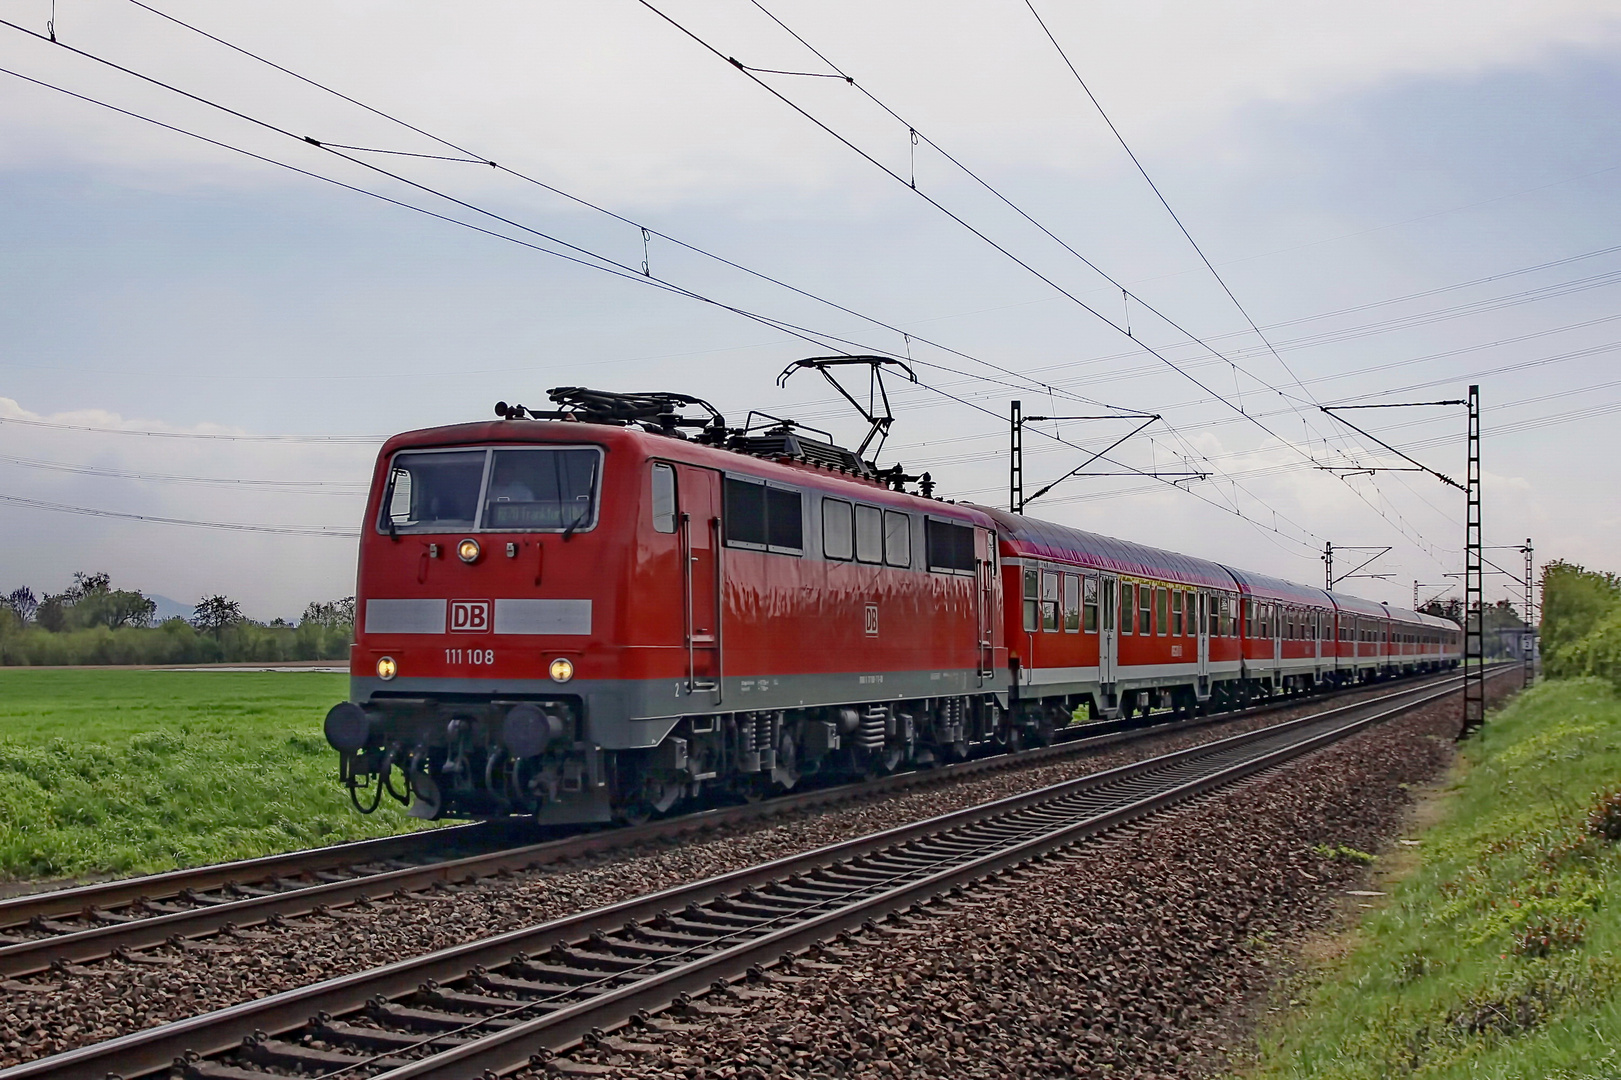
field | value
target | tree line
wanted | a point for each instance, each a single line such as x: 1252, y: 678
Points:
x: 91, y: 622
x: 1581, y: 622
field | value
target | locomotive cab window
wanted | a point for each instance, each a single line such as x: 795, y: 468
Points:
x: 838, y: 530
x: 529, y: 489
x: 663, y: 498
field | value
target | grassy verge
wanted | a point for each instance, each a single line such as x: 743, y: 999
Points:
x: 1500, y: 956
x: 119, y: 772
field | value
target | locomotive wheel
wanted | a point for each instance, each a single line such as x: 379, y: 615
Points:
x: 639, y: 812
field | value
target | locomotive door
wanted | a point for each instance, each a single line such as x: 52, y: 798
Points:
x: 699, y: 500
x: 987, y: 607
x: 1107, y: 642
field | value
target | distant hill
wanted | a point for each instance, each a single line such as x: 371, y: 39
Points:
x: 168, y: 609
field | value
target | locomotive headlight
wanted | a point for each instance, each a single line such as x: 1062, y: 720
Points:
x: 562, y: 669
x: 468, y: 551
x: 387, y: 668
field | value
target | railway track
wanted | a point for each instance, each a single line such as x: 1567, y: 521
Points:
x: 182, y: 907
x: 498, y: 1004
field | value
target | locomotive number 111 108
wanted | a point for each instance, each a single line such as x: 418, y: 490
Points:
x: 480, y: 657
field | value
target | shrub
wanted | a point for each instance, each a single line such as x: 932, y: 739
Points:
x: 1604, y: 820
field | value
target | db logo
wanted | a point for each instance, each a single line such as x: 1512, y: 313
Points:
x: 470, y: 616
x: 872, y: 620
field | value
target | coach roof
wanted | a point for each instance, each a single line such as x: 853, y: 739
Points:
x: 1028, y: 537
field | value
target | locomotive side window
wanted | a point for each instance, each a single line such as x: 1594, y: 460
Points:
x: 1072, y: 604
x: 433, y: 491
x: 1089, y: 604
x: 838, y: 530
x: 663, y: 498
x: 869, y: 534
x: 1032, y: 597
x: 745, y: 513
x: 897, y: 539
x: 950, y: 546
x: 785, y: 520
x: 762, y: 517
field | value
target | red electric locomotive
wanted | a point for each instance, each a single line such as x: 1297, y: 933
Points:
x: 589, y: 615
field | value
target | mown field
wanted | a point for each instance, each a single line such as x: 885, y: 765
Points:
x: 120, y: 772
x: 1499, y: 958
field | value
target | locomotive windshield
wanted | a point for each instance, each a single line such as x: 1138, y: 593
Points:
x: 506, y: 489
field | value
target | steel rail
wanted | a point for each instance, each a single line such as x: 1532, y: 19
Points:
x: 879, y: 871
x: 126, y: 931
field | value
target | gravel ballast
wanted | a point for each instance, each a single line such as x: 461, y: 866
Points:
x: 81, y: 1005
x: 1146, y: 955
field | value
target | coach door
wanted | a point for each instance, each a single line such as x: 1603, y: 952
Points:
x: 1107, y: 642
x: 1202, y: 626
x: 698, y: 496
x: 988, y: 610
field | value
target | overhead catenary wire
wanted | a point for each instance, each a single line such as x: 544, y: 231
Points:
x: 612, y: 266
x: 780, y: 325
x: 843, y: 140
x: 646, y: 230
x: 230, y: 526
x: 1160, y: 195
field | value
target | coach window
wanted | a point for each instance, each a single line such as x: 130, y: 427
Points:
x: 1145, y: 609
x: 1128, y: 607
x: 1089, y: 604
x: 1176, y: 613
x: 663, y: 498
x: 897, y: 539
x: 1072, y: 604
x: 838, y: 530
x: 869, y: 534
x: 1032, y: 598
x: 1162, y: 612
x: 1049, y: 600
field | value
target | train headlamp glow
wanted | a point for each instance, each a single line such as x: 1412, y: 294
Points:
x: 468, y: 551
x: 562, y: 669
x: 387, y: 668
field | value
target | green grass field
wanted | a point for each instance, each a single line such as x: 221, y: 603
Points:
x: 120, y: 772
x: 1500, y: 956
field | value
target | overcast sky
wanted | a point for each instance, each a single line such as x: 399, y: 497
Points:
x: 1404, y: 198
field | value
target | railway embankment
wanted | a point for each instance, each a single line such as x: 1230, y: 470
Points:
x: 1148, y: 955
x: 1497, y: 953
